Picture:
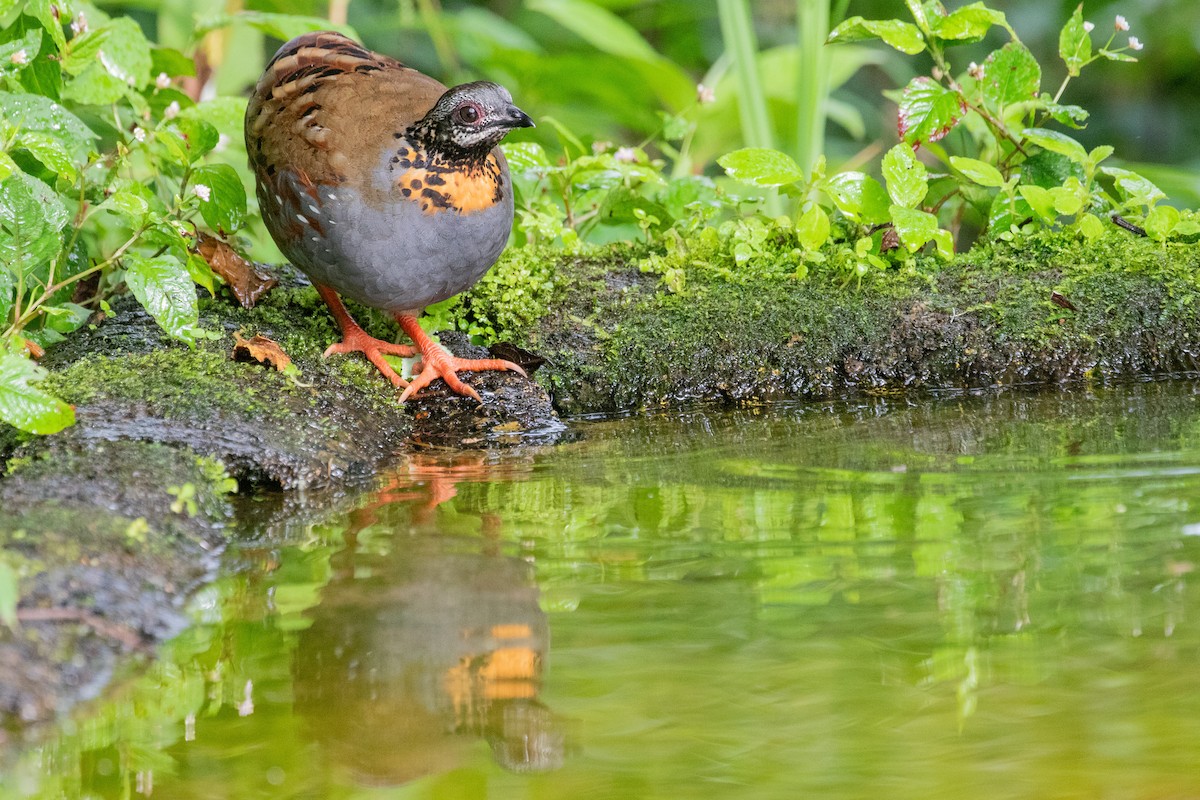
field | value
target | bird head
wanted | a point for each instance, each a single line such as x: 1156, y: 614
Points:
x: 470, y: 119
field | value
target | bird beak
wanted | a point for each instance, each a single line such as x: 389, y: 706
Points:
x: 516, y: 118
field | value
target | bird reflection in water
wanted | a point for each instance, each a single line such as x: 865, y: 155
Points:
x: 414, y: 655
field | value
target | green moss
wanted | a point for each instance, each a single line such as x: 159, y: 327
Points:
x: 174, y: 383
x: 705, y: 318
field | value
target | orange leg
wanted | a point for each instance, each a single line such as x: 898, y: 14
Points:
x: 437, y: 362
x: 356, y: 340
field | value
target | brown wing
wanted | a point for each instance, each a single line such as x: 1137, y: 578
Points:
x: 325, y: 107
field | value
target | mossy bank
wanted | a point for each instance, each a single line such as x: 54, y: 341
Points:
x: 110, y: 524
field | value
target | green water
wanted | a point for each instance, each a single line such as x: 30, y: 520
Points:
x: 963, y: 598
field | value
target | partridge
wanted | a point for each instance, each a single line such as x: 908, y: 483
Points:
x: 383, y: 186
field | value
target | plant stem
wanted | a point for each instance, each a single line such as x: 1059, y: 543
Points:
x: 737, y: 30
x: 812, y: 29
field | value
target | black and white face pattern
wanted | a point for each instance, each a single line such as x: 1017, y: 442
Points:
x: 474, y: 117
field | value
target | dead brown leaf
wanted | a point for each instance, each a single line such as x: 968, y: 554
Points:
x: 245, y: 279
x: 260, y: 349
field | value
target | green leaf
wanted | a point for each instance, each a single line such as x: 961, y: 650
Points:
x: 1047, y: 169
x: 902, y: 36
x: 928, y: 111
x: 859, y: 196
x: 10, y: 594
x: 162, y: 285
x: 1056, y: 142
x: 915, y: 227
x: 34, y: 113
x: 1134, y: 187
x: 761, y: 166
x: 170, y: 61
x: 1040, y: 200
x: 1006, y: 212
x: 30, y: 43
x: 968, y: 24
x: 944, y: 240
x: 31, y: 218
x: 978, y: 171
x: 50, y: 151
x: 1071, y: 116
x: 812, y: 229
x: 1090, y: 226
x: 112, y: 61
x: 225, y: 210
x: 1010, y: 75
x: 1100, y: 153
x: 126, y: 203
x: 906, y: 177
x: 197, y: 136
x: 23, y: 405
x: 1074, y: 43
x: 1067, y: 200
x: 1160, y: 222
x: 1111, y: 56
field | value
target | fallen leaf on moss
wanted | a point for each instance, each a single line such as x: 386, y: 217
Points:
x: 260, y: 349
x: 245, y: 280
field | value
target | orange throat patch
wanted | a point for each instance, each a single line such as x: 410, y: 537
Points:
x: 439, y: 185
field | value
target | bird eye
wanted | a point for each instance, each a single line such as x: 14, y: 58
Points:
x: 467, y: 113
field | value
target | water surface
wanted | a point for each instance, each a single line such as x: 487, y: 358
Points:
x: 985, y: 597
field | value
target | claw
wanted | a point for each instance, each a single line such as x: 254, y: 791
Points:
x: 436, y: 363
x: 356, y: 340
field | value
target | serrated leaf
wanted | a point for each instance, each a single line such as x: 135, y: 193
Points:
x: 1010, y: 75
x: 1074, y: 43
x: 1056, y: 142
x: 915, y: 227
x: 198, y: 137
x: 1135, y: 187
x: 30, y: 44
x: 126, y: 203
x: 23, y: 405
x: 902, y: 36
x: 968, y: 24
x: 761, y: 166
x: 812, y: 229
x: 906, y: 177
x: 978, y: 171
x: 37, y: 114
x: 1047, y: 169
x: 31, y: 218
x: 928, y: 111
x: 164, y: 288
x: 225, y: 210
x: 1071, y: 116
x: 50, y: 151
x: 119, y: 66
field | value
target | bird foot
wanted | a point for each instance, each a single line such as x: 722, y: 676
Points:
x: 356, y: 340
x: 436, y: 363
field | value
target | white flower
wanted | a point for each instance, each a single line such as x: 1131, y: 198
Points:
x: 203, y: 192
x: 80, y: 24
x: 171, y: 111
x: 20, y: 57
x: 705, y: 94
x: 1120, y: 23
x: 600, y: 147
x: 139, y: 134
x: 1134, y: 44
x: 626, y: 155
x: 975, y: 71
x: 163, y: 80
x: 1088, y: 27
